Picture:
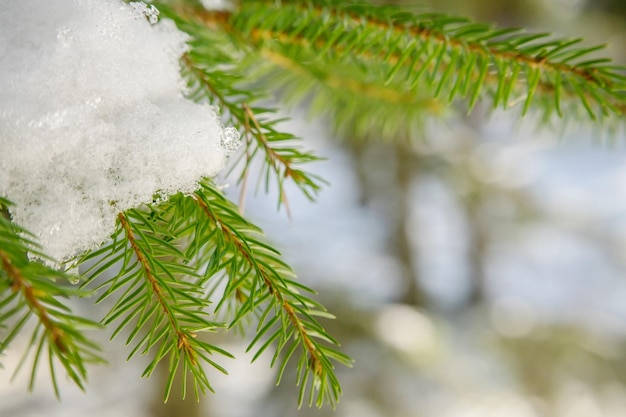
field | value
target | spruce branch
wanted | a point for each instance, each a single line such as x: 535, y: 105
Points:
x: 213, y: 75
x: 30, y: 289
x: 390, y: 57
x: 261, y: 137
x: 261, y: 283
x: 174, y: 256
x: 158, y: 296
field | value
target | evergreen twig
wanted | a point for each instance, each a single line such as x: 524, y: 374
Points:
x: 29, y: 289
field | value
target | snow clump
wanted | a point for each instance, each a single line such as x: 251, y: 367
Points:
x: 92, y: 119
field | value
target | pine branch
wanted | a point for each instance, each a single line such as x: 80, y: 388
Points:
x: 159, y: 297
x: 261, y: 283
x: 261, y: 136
x: 30, y: 289
x: 384, y: 54
x: 173, y: 255
x: 212, y: 70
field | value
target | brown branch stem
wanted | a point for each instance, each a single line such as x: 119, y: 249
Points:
x: 183, y: 343
x: 272, y: 288
x: 494, y: 53
x: 19, y: 283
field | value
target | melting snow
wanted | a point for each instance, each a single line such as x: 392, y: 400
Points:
x: 92, y: 118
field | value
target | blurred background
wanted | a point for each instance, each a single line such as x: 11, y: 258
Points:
x: 480, y: 271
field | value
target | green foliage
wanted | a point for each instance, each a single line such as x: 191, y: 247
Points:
x: 28, y: 290
x: 259, y: 282
x: 179, y: 256
x: 214, y: 74
x: 381, y: 68
x: 192, y: 264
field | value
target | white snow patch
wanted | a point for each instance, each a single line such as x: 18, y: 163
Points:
x: 217, y: 4
x: 151, y: 12
x: 92, y: 118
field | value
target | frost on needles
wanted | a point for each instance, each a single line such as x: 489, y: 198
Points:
x: 93, y: 119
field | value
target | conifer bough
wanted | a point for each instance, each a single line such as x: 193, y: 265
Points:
x: 351, y: 56
x: 186, y: 261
